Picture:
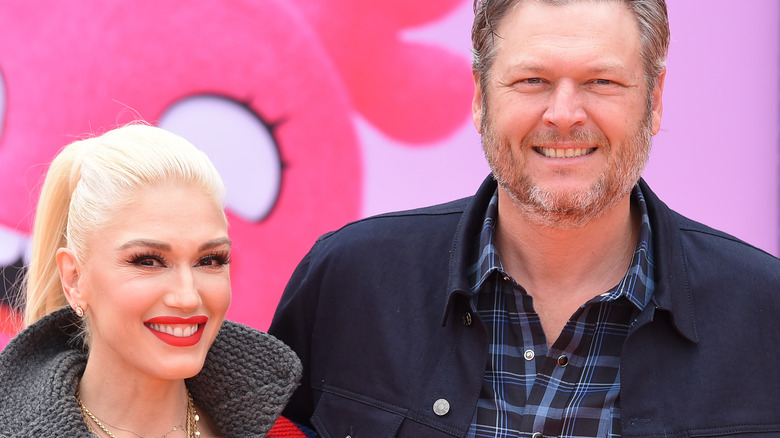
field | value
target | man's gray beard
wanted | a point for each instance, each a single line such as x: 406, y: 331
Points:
x: 572, y: 208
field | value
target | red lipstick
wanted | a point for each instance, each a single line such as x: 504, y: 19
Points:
x: 177, y: 341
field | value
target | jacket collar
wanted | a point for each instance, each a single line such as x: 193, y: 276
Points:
x: 246, y: 380
x: 671, y: 294
x: 463, y: 243
x: 672, y: 290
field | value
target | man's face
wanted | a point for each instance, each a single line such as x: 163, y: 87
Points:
x: 565, y: 120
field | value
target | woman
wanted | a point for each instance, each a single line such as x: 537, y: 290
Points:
x: 127, y: 290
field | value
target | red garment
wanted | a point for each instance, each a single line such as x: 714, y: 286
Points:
x: 284, y: 428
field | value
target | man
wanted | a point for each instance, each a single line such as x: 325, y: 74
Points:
x: 563, y: 300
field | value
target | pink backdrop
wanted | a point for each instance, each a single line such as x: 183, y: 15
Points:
x: 360, y: 102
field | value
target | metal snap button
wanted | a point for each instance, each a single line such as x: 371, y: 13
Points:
x: 537, y: 435
x: 441, y: 407
x: 529, y: 355
x: 467, y: 319
x: 563, y: 360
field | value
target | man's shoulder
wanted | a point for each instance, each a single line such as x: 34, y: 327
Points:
x: 703, y: 245
x: 720, y: 245
x: 717, y: 264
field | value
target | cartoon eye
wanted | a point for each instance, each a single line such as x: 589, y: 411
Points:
x: 239, y: 143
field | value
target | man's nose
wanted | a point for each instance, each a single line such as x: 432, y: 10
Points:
x: 565, y: 107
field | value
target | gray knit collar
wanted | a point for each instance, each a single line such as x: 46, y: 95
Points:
x: 245, y: 383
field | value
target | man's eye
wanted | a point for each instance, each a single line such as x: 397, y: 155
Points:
x: 603, y: 82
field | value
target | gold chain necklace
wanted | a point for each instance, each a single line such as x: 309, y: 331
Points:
x: 190, y: 428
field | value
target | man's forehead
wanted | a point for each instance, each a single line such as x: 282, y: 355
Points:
x: 569, y: 23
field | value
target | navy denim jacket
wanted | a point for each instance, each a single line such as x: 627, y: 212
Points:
x: 379, y: 313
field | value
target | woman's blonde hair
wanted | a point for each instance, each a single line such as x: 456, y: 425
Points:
x: 87, y: 182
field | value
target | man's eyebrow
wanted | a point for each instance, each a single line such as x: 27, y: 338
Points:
x: 607, y: 66
x: 539, y: 68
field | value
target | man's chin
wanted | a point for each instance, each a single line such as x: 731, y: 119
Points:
x: 564, y: 209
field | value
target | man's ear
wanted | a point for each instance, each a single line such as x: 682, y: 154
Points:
x: 658, y: 106
x: 70, y: 274
x: 476, y: 104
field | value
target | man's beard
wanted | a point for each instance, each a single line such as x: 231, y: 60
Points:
x: 571, y: 208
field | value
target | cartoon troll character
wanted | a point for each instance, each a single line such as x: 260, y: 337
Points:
x: 296, y: 72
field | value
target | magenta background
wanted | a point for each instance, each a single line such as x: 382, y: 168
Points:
x: 716, y: 158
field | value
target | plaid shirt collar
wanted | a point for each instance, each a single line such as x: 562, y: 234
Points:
x: 636, y: 286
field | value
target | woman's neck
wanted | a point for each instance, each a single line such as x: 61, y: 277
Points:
x: 138, y: 404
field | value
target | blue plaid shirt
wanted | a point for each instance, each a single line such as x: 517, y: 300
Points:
x: 571, y: 389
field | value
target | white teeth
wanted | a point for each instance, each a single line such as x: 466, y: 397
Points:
x: 564, y: 153
x: 178, y: 330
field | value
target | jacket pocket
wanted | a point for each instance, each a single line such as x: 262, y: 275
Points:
x: 342, y: 415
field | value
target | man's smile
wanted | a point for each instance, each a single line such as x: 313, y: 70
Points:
x: 564, y: 152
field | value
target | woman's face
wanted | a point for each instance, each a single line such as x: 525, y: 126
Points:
x: 156, y: 284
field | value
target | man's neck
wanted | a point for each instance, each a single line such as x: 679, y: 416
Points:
x: 562, y: 268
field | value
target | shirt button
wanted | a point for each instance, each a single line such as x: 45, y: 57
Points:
x: 467, y: 319
x: 529, y: 355
x: 537, y: 435
x: 441, y: 407
x: 563, y: 361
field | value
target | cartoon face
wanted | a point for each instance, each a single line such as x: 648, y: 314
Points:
x: 146, y: 59
x: 269, y: 90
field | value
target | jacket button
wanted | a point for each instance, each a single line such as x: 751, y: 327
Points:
x: 529, y: 354
x: 441, y: 407
x: 537, y: 435
x: 563, y: 360
x: 467, y: 319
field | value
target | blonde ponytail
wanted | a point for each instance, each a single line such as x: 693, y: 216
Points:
x: 43, y: 288
x: 87, y: 182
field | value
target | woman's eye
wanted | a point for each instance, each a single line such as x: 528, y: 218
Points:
x: 148, y: 261
x: 214, y: 260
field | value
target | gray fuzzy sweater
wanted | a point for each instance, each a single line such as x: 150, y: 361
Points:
x: 244, y: 385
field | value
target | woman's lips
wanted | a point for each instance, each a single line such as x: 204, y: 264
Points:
x: 178, y: 332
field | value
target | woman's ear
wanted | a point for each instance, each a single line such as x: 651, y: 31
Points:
x: 70, y: 273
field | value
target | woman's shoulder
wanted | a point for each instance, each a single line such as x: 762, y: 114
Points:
x: 246, y: 380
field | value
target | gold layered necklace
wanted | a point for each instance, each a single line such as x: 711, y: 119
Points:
x: 190, y: 424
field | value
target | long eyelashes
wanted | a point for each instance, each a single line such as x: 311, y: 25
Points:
x: 215, y: 259
x: 156, y: 259
x: 148, y: 259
